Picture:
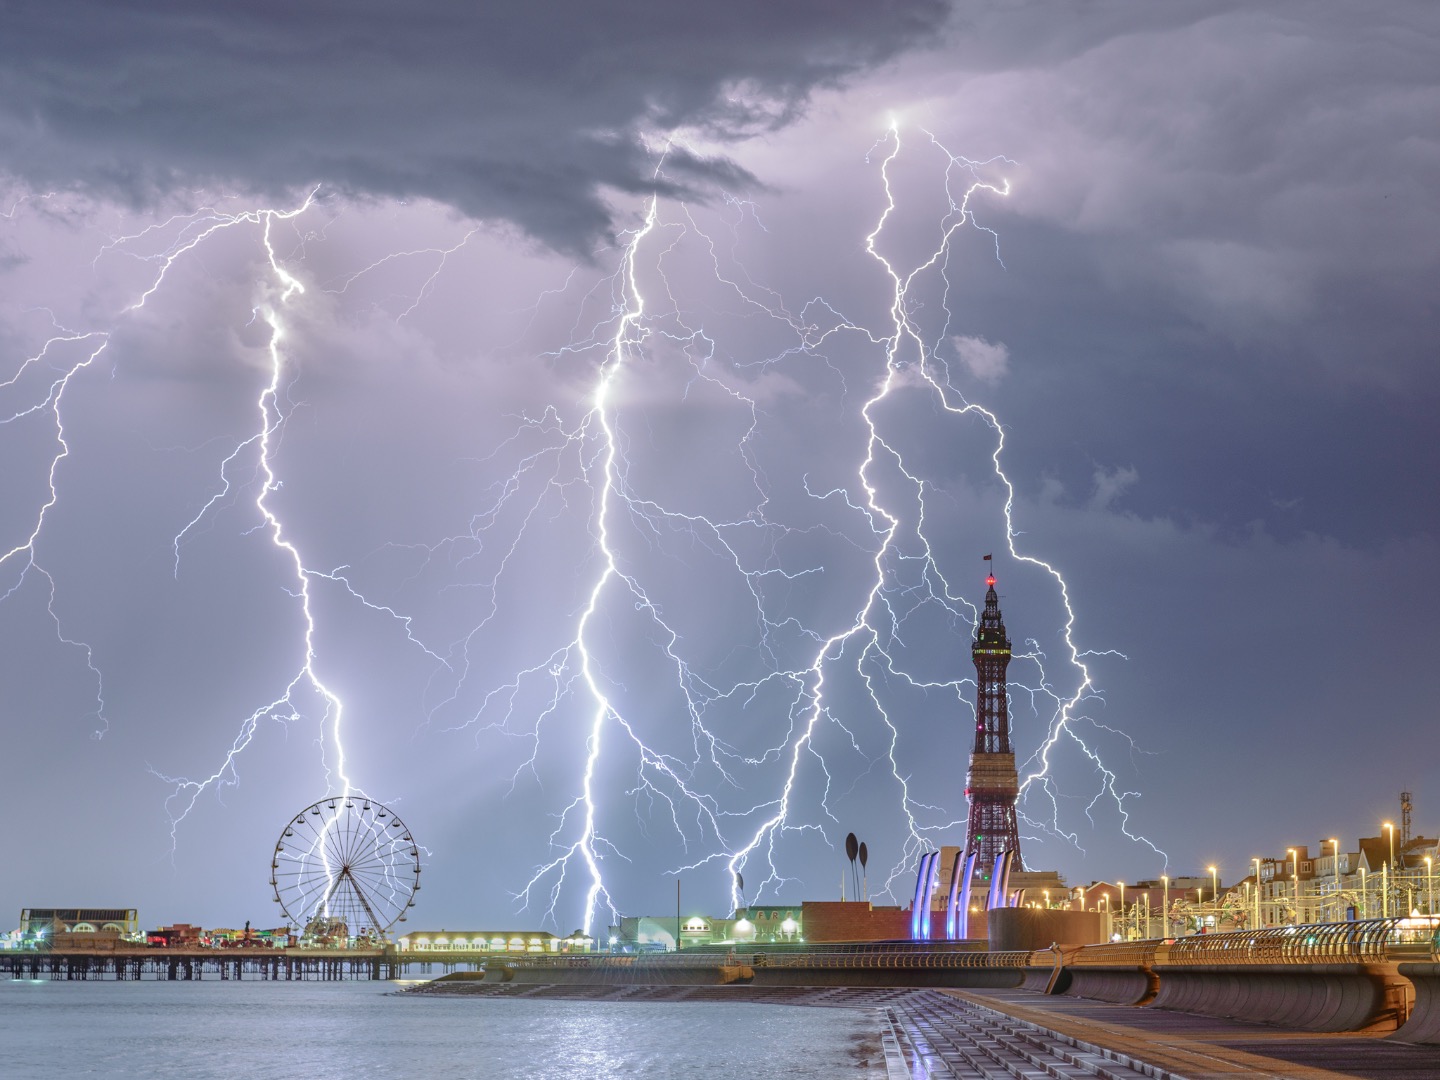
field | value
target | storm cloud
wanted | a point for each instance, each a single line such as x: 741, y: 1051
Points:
x: 526, y: 112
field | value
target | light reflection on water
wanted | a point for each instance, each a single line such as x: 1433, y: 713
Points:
x: 339, y: 1031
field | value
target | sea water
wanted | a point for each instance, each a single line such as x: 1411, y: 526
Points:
x: 347, y: 1030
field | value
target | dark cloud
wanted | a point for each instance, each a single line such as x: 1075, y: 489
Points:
x: 520, y: 111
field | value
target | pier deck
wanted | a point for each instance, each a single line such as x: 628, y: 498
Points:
x: 187, y: 965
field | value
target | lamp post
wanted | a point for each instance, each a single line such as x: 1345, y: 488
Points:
x: 1215, y: 894
x: 1295, y: 871
x: 1364, y: 896
x: 1335, y: 850
x: 1257, y: 892
x: 1165, y: 906
x: 1123, y: 932
x: 1429, y: 888
x: 1389, y: 827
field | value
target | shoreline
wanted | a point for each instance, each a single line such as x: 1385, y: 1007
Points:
x: 858, y: 997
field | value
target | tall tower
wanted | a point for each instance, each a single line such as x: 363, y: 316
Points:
x: 992, y: 783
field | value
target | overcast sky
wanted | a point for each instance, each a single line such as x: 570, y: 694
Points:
x: 602, y: 461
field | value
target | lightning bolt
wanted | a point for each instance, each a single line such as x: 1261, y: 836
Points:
x: 271, y: 415
x: 726, y: 790
x: 1065, y: 716
x: 50, y: 403
x: 179, y: 237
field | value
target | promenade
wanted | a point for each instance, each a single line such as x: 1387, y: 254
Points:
x: 1163, y: 1044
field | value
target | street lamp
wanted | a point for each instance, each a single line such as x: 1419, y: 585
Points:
x: 1429, y: 888
x: 1257, y: 892
x: 1385, y: 871
x: 1215, y: 890
x: 1122, y: 911
x: 1295, y: 869
x: 1165, y: 905
x: 1335, y: 850
x: 1364, y: 896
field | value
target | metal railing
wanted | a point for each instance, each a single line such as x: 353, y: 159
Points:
x: 899, y: 959
x: 1367, y: 942
x: 1116, y: 954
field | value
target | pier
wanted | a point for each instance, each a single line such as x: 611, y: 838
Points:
x: 190, y: 965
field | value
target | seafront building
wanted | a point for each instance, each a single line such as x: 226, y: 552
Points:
x: 39, y: 922
x: 530, y: 942
x: 1389, y: 875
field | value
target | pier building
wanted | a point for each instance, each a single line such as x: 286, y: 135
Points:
x: 77, y: 920
x: 536, y: 942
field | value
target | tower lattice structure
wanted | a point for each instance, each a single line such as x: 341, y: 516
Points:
x: 992, y: 783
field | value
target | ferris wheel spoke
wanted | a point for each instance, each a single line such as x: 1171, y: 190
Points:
x: 311, y: 889
x: 379, y: 887
x: 344, y: 837
x: 358, y: 850
x: 370, y: 862
x: 380, y: 878
x: 332, y: 841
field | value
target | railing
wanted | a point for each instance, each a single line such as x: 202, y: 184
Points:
x: 898, y: 958
x: 1117, y: 954
x: 684, y: 958
x: 1370, y: 941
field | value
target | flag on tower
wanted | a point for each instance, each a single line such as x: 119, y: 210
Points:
x: 987, y: 558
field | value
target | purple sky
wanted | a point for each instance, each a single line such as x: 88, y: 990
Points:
x: 1195, y: 283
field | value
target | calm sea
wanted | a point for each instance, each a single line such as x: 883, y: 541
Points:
x: 341, y: 1031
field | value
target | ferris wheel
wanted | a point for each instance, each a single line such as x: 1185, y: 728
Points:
x: 345, y: 867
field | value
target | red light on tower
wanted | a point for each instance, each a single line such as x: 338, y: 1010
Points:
x: 990, y: 581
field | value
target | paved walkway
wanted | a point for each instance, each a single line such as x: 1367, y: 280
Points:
x: 1160, y: 1043
x: 936, y: 1036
